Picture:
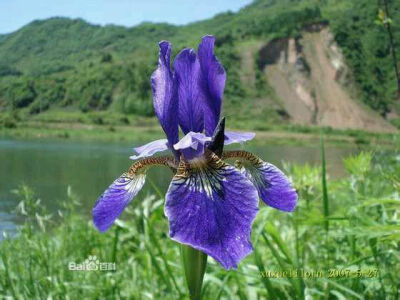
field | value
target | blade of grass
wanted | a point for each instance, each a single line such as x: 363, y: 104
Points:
x: 115, y: 244
x: 273, y: 293
x: 273, y: 233
x: 155, y: 263
x: 324, y: 187
x: 373, y: 244
x: 343, y: 288
x: 222, y: 286
x: 296, y: 285
x: 325, y: 202
x: 166, y: 264
x: 156, y: 189
x: 154, y: 240
x: 209, y: 278
x: 239, y: 283
x: 8, y: 279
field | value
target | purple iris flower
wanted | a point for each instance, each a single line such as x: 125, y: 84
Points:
x: 210, y: 205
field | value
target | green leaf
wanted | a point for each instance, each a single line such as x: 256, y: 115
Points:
x: 194, y: 264
x: 324, y: 187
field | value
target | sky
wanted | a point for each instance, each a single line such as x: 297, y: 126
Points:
x: 16, y: 13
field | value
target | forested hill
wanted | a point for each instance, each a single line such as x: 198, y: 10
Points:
x: 61, y: 62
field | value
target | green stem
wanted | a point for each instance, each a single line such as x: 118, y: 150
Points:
x: 324, y: 187
x: 194, y: 265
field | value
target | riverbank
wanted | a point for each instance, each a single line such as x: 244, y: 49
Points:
x: 146, y: 129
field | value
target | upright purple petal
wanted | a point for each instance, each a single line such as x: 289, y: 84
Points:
x: 114, y: 200
x: 150, y: 148
x: 192, y: 145
x: 211, y: 207
x: 164, y: 94
x: 274, y: 188
x: 213, y: 82
x: 190, y: 95
x: 238, y: 137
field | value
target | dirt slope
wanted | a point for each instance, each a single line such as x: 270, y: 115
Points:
x: 309, y: 77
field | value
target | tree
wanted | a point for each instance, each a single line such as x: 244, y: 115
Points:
x: 385, y: 20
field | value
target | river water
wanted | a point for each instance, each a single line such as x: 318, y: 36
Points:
x: 49, y: 167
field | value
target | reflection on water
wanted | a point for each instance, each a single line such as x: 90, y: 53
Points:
x: 50, y: 167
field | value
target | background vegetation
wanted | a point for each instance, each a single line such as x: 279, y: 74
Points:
x: 64, y: 64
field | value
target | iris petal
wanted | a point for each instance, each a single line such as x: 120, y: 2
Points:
x: 190, y: 95
x: 213, y: 83
x: 114, y: 200
x: 164, y: 94
x: 211, y: 207
x: 121, y: 192
x: 274, y: 188
x: 150, y: 148
x: 238, y: 137
x: 192, y: 145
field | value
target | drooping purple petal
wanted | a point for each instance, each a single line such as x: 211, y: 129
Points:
x: 238, y: 137
x: 164, y: 94
x: 114, y: 200
x: 192, y: 145
x: 150, y: 148
x: 190, y: 95
x: 213, y: 82
x: 274, y: 188
x: 211, y: 208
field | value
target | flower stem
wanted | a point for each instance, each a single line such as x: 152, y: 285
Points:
x: 194, y: 265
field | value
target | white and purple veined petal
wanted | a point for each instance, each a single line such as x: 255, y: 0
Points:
x: 165, y: 99
x: 238, y: 137
x: 115, y: 198
x: 274, y: 187
x: 211, y: 207
x: 213, y: 77
x: 190, y: 94
x: 192, y: 145
x: 150, y: 148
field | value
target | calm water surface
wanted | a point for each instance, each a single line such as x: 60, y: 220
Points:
x: 49, y: 167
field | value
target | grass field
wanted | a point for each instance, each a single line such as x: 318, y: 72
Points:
x: 343, y: 242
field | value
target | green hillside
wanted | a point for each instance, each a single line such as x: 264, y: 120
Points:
x: 62, y: 63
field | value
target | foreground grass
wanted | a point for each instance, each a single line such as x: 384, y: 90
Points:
x: 344, y: 234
